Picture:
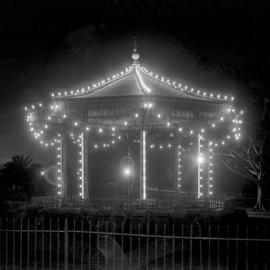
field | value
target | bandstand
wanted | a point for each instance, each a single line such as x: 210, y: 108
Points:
x: 146, y: 111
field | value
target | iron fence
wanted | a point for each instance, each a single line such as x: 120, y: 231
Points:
x: 124, y: 243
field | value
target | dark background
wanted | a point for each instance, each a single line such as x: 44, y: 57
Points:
x: 48, y: 45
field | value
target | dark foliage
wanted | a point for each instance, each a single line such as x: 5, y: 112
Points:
x: 16, y: 177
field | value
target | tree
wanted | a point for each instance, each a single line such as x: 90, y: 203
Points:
x: 16, y: 176
x: 251, y: 159
x: 248, y: 162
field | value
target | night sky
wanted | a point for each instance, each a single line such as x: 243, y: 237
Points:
x: 49, y: 45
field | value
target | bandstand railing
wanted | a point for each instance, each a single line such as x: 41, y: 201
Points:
x: 112, y: 203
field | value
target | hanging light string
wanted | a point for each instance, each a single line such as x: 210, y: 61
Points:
x: 200, y: 160
x: 91, y: 88
x: 210, y: 170
x: 229, y: 115
x: 59, y: 156
x: 94, y: 87
x: 81, y: 165
x: 184, y: 88
x: 179, y: 167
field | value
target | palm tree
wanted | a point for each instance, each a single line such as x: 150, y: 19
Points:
x: 16, y: 176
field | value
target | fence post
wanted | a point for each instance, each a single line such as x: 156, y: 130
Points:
x: 66, y: 244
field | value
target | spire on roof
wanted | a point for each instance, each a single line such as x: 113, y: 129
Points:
x: 135, y: 55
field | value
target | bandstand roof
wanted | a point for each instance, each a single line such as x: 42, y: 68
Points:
x: 137, y: 81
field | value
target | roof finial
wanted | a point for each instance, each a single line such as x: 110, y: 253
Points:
x: 135, y: 55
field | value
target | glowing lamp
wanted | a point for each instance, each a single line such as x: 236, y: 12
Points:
x: 127, y: 171
x: 200, y: 159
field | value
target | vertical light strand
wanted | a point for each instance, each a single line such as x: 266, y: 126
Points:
x: 81, y: 165
x: 202, y: 162
x: 144, y: 163
x: 179, y: 168
x: 200, y: 170
x: 60, y: 166
x: 210, y: 170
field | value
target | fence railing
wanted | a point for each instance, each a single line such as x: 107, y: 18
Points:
x: 122, y: 243
x: 110, y: 203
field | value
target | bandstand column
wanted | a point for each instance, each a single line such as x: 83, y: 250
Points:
x: 179, y: 167
x: 210, y: 179
x: 62, y: 165
x: 199, y: 161
x: 143, y: 184
x: 84, y: 166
